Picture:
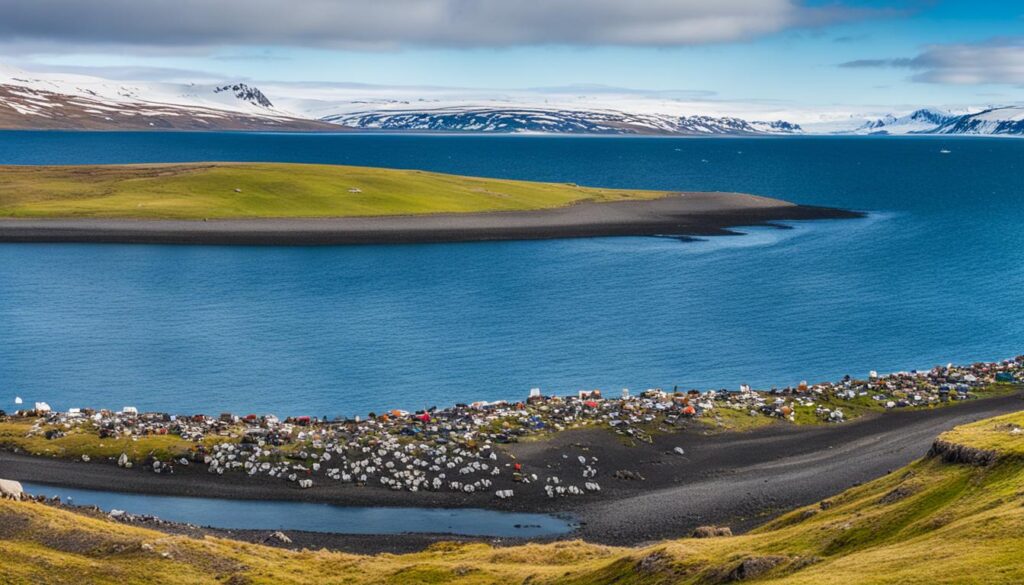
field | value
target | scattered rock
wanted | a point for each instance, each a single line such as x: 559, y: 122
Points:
x: 939, y: 521
x: 656, y: 562
x: 628, y: 475
x: 754, y: 567
x: 711, y: 531
x: 897, y: 494
x: 279, y: 537
x: 808, y: 513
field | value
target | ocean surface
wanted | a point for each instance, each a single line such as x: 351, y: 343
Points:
x: 935, y: 273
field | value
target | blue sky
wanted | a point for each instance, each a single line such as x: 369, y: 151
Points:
x: 927, y: 52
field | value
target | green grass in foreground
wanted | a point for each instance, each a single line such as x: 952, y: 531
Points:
x: 727, y: 419
x: 263, y: 190
x: 85, y: 440
x: 928, y: 523
x: 1002, y: 434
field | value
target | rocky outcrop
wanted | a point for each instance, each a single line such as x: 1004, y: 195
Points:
x: 247, y: 94
x: 754, y: 567
x: 964, y: 454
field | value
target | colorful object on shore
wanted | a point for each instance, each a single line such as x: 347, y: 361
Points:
x: 456, y: 449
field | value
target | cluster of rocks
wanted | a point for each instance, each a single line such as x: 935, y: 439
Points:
x: 457, y: 449
x: 129, y: 518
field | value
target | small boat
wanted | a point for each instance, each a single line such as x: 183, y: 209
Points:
x: 944, y: 151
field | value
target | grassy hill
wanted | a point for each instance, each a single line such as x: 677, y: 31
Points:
x: 930, y: 522
x: 259, y: 190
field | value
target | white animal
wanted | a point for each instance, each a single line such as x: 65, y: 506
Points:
x: 11, y: 490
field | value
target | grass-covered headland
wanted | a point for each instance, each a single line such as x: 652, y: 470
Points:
x: 934, y: 521
x: 271, y: 190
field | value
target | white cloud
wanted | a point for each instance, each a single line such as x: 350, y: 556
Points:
x: 383, y: 24
x: 997, y: 61
x: 1000, y: 61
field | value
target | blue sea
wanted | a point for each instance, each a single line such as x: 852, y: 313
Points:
x: 934, y: 273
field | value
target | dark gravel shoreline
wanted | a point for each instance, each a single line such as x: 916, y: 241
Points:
x: 734, y: 479
x: 681, y: 215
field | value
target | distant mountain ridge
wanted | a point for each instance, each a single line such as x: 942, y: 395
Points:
x: 79, y: 102
x: 1003, y: 121
x: 919, y: 121
x: 550, y: 120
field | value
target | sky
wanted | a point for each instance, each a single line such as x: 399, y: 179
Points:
x: 891, y: 55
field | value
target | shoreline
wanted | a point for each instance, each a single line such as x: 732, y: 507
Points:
x: 627, y: 471
x: 739, y: 479
x: 679, y: 215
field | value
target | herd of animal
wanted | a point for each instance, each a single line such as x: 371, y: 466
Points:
x: 457, y: 448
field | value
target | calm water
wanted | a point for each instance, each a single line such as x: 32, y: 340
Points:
x: 935, y: 274
x: 262, y: 515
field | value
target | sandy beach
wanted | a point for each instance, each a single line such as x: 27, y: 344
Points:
x: 738, y: 479
x: 682, y: 214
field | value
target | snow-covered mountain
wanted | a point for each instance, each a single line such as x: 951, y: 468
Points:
x: 45, y: 101
x: 1005, y: 121
x: 553, y: 120
x: 918, y: 122
x: 70, y: 101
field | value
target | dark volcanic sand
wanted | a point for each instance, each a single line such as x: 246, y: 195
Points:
x: 683, y: 214
x: 734, y: 479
